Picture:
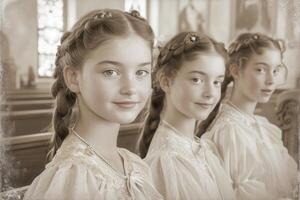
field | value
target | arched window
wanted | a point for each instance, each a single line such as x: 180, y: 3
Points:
x: 50, y: 29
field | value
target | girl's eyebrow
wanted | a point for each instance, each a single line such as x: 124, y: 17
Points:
x: 144, y: 64
x: 120, y: 64
x: 109, y: 62
x: 203, y: 73
x: 263, y: 63
x: 198, y: 72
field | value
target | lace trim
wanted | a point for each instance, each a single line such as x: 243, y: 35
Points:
x: 75, y: 152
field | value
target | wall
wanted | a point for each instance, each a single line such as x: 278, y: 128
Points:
x: 20, y: 26
x: 221, y: 15
x: 21, y: 31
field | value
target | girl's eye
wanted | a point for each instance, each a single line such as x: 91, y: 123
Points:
x: 197, y: 80
x: 142, y: 73
x: 218, y: 83
x: 260, y: 70
x: 110, y: 73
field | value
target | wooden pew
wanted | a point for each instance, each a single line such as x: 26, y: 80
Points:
x: 288, y: 114
x: 27, y: 105
x: 28, y: 155
x: 28, y: 97
x: 16, y: 123
x: 14, y: 194
x: 27, y: 94
x: 27, y: 91
x: 28, y: 152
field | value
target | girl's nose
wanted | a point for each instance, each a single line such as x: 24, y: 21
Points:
x: 270, y: 79
x: 208, y: 91
x: 128, y: 86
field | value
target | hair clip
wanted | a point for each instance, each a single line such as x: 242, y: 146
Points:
x: 102, y: 15
x: 135, y: 13
x: 255, y: 36
x: 193, y: 38
x: 190, y: 40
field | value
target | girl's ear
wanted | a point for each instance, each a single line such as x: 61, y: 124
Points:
x: 71, y: 77
x: 234, y: 70
x: 164, y: 83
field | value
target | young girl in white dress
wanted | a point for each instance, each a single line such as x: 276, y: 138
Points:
x: 186, y: 87
x: 103, y: 65
x: 250, y: 146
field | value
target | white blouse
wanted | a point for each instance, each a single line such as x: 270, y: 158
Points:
x: 253, y: 154
x: 76, y: 173
x: 183, y: 168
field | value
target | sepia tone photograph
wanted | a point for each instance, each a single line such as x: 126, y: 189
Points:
x: 149, y: 99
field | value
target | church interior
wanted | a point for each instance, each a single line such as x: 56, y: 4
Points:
x: 30, y: 33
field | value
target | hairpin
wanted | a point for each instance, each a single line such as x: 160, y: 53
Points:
x: 135, y: 13
x: 102, y: 15
x: 191, y: 38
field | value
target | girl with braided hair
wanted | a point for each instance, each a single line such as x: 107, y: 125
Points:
x: 103, y: 67
x: 186, y: 87
x: 250, y: 146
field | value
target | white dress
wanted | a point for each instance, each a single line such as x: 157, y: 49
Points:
x: 253, y: 155
x: 76, y: 173
x: 186, y: 169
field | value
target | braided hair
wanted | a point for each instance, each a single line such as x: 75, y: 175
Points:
x: 245, y: 46
x: 87, y: 34
x: 185, y: 46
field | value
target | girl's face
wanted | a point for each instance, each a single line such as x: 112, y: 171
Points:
x: 115, y: 81
x: 257, y: 80
x: 196, y: 88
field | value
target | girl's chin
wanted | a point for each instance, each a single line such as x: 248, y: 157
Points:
x: 264, y: 100
x: 126, y: 120
x: 200, y: 117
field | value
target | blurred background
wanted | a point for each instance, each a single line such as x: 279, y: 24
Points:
x: 30, y: 32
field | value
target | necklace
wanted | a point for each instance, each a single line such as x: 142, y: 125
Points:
x: 99, y: 155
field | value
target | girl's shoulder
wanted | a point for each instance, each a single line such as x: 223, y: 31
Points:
x: 165, y: 141
x: 271, y: 130
x: 72, y: 151
x: 70, y: 170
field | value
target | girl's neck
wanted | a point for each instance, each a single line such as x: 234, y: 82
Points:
x: 99, y: 133
x: 242, y: 102
x: 180, y: 122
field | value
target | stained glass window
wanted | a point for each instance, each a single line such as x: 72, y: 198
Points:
x: 50, y: 29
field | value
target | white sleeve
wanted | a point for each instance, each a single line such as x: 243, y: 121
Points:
x: 67, y: 181
x: 238, y: 160
x: 173, y: 177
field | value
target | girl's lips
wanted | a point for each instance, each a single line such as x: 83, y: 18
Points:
x: 204, y: 105
x: 267, y: 92
x: 126, y: 104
